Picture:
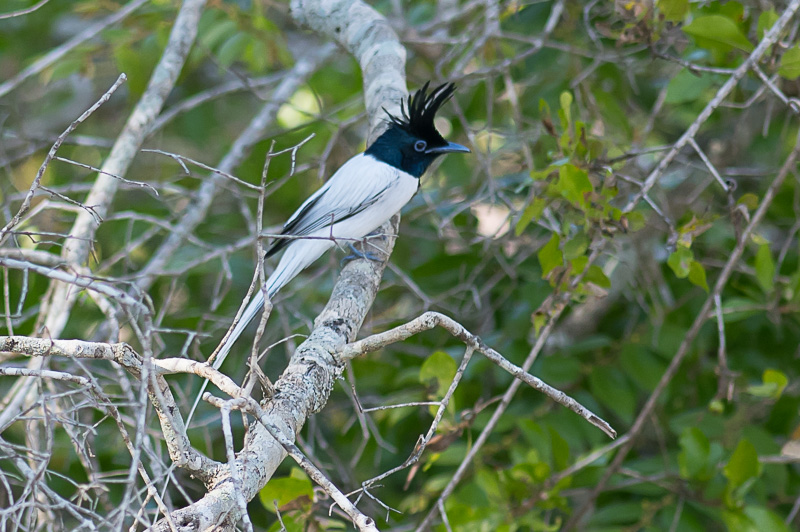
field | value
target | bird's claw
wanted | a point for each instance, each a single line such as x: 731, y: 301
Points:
x: 356, y: 254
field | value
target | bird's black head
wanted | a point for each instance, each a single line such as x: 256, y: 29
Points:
x: 412, y: 143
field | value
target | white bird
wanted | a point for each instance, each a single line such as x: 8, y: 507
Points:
x: 361, y: 196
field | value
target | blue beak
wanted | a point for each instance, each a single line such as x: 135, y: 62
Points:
x: 450, y: 147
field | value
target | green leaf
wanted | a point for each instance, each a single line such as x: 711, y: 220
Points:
x: 772, y: 386
x: 576, y: 246
x: 765, y: 268
x: 233, y: 49
x: 285, y: 490
x: 560, y: 449
x: 687, y: 87
x: 766, y: 20
x: 749, y: 200
x: 790, y: 64
x: 573, y: 183
x: 550, y: 256
x: 597, y: 276
x: 765, y: 519
x: 743, y: 464
x: 532, y: 211
x: 693, y: 459
x: 777, y: 377
x: 636, y: 221
x: 673, y: 10
x: 697, y: 275
x: 718, y: 32
x: 681, y: 261
x: 566, y: 103
x: 65, y: 67
x: 135, y: 65
x: 219, y: 32
x: 539, y: 320
x: 440, y: 367
x: 610, y: 387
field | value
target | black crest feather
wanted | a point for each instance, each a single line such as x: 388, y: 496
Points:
x: 416, y: 118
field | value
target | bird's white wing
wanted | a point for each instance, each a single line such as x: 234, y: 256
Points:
x: 358, y: 185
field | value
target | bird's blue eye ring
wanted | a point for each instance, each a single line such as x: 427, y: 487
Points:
x: 420, y: 145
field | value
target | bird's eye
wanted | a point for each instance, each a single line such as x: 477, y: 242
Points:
x: 420, y: 145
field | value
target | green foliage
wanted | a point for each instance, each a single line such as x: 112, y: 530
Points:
x: 718, y: 33
x: 790, y: 63
x: 295, y: 489
x: 673, y: 10
x: 439, y: 368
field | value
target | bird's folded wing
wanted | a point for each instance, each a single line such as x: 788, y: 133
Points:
x: 357, y: 185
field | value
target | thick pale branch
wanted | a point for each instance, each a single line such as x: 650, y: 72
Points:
x: 249, y: 405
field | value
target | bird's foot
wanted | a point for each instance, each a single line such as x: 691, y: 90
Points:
x: 356, y: 254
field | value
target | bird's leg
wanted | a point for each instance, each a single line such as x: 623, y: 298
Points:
x: 356, y: 254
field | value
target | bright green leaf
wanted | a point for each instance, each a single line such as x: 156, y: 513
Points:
x: 687, y: 87
x: 718, y: 32
x: 550, y: 256
x: 673, y: 10
x: 749, y: 200
x: 531, y: 212
x: 576, y: 246
x: 765, y: 519
x: 772, y: 385
x: 765, y: 268
x: 440, y: 367
x: 697, y: 275
x: 566, y: 103
x: 597, y: 276
x: 636, y: 221
x: 578, y: 264
x: 233, y: 49
x: 766, y: 20
x: 777, y: 377
x: 743, y: 464
x: 693, y: 459
x: 539, y: 320
x: 790, y: 64
x: 573, y: 183
x: 285, y: 490
x: 681, y: 261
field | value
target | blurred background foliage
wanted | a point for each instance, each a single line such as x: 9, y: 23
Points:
x: 564, y: 129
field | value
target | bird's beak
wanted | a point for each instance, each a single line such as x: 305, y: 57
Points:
x: 450, y: 147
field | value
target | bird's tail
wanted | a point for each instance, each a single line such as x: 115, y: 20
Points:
x: 294, y: 260
x: 250, y: 312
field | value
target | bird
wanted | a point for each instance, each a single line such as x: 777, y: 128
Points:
x: 362, y: 195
